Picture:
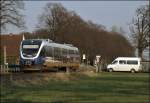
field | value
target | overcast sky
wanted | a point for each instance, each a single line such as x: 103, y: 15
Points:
x: 107, y: 13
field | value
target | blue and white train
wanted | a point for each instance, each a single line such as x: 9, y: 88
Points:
x: 36, y: 54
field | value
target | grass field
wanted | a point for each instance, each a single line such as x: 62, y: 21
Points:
x: 97, y: 88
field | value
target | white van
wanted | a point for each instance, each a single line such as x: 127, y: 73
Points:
x: 131, y: 64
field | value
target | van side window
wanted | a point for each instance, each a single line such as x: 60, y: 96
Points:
x: 115, y: 62
x: 122, y: 62
x: 132, y: 62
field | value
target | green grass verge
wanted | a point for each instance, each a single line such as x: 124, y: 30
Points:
x: 101, y: 88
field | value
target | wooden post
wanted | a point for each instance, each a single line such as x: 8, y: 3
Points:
x: 67, y: 70
x: 5, y: 55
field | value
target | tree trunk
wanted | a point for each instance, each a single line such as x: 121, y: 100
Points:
x: 140, y: 53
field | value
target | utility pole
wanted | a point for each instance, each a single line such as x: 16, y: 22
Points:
x: 5, y: 58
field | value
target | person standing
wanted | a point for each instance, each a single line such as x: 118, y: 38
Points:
x: 98, y: 63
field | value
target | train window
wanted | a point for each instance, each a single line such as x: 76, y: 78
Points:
x: 64, y: 54
x: 46, y: 51
x: 49, y: 51
x: 76, y: 52
x: 71, y: 51
x: 64, y: 51
x: 31, y: 42
x: 57, y: 52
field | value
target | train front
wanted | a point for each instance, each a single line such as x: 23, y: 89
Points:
x: 30, y: 58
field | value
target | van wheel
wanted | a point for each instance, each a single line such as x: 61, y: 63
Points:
x: 132, y: 71
x: 110, y: 70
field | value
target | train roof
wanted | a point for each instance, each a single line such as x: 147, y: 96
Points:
x: 61, y: 46
x: 49, y: 42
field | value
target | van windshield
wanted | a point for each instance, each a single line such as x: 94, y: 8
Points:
x: 114, y: 62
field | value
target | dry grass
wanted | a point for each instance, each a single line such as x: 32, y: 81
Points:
x: 80, y: 87
x: 22, y: 79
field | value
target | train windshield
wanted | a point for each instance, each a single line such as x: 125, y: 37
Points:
x: 30, y: 47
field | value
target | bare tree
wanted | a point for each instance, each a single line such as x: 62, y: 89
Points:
x: 89, y: 37
x: 140, y: 29
x: 53, y: 18
x: 95, y: 26
x: 10, y: 13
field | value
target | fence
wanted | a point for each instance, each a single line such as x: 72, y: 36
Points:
x: 4, y: 69
x: 7, y: 69
x: 12, y: 59
x: 11, y: 66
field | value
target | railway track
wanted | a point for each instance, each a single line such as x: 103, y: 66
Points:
x: 18, y: 70
x: 6, y: 70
